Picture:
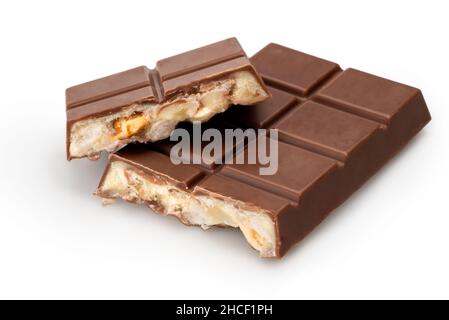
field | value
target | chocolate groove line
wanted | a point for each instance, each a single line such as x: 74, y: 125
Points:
x: 282, y: 114
x: 261, y: 185
x: 323, y: 82
x: 347, y: 108
x: 309, y: 146
x: 283, y: 86
x: 291, y: 89
x: 155, y: 82
x: 204, y: 65
x: 312, y: 96
x: 298, y: 142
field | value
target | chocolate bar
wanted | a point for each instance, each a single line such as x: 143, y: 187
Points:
x: 142, y: 105
x: 336, y: 128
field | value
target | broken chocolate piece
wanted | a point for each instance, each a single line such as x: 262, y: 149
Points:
x: 336, y: 129
x: 143, y: 105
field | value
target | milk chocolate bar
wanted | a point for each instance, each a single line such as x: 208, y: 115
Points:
x: 336, y: 129
x: 142, y: 105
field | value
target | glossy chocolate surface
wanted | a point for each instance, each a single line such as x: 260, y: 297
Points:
x: 175, y: 75
x: 336, y: 129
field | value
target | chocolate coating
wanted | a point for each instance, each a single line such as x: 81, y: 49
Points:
x: 336, y: 129
x: 173, y: 77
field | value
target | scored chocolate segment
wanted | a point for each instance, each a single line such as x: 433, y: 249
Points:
x: 106, y: 105
x: 108, y: 86
x: 336, y: 129
x: 292, y: 70
x: 199, y: 59
x: 298, y: 170
x: 142, y: 105
x: 211, y: 61
x: 325, y: 130
x: 367, y: 95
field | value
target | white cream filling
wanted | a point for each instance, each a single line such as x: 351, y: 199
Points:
x: 145, y: 121
x: 206, y: 211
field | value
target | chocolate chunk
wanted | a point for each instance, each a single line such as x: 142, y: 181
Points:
x: 142, y: 105
x: 336, y: 129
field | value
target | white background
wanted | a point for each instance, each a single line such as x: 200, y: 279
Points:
x: 390, y: 240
